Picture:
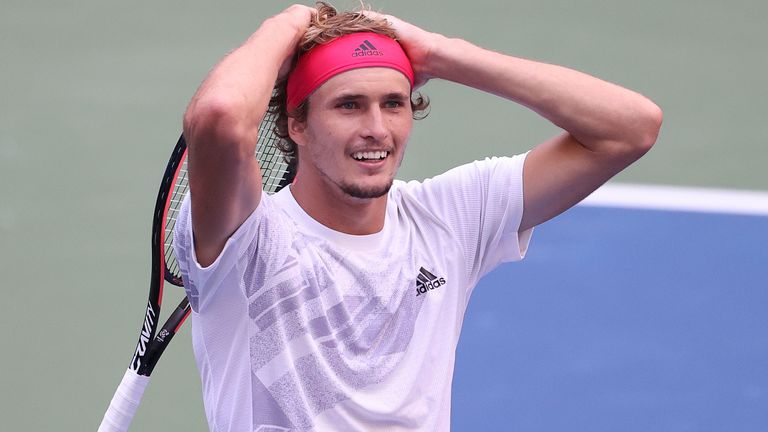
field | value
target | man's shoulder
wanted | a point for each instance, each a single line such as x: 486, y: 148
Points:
x: 463, y: 173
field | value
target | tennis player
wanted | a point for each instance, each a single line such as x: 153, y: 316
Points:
x: 336, y: 304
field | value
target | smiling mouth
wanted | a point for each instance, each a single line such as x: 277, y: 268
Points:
x: 370, y: 155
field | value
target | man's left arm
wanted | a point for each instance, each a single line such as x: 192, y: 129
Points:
x: 607, y: 127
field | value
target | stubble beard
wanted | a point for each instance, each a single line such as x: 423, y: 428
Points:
x: 357, y: 191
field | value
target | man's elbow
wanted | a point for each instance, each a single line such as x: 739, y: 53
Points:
x: 213, y: 120
x: 648, y: 124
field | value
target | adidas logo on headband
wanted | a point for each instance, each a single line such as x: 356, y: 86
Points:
x: 366, y: 49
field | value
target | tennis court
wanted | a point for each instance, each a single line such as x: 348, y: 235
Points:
x: 622, y: 319
x: 619, y: 318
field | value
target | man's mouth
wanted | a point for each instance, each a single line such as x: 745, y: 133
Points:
x: 370, y: 155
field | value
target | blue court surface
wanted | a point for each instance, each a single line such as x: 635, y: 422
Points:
x: 622, y: 320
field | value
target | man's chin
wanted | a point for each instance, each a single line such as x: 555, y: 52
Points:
x: 367, y: 191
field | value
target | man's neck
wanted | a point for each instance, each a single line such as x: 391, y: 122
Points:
x: 339, y: 211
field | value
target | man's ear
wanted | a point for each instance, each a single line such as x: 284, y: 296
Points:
x: 297, y: 131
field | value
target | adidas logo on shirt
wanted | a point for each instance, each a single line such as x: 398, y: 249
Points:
x: 426, y: 281
x: 366, y: 49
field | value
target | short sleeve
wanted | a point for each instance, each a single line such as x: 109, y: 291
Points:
x: 482, y: 204
x: 257, y: 236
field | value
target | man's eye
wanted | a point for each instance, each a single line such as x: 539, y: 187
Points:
x: 393, y: 104
x: 348, y: 105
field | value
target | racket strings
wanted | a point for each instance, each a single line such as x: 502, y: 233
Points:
x: 274, y: 171
x: 271, y: 159
x: 180, y: 187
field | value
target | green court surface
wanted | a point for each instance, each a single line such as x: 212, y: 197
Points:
x: 91, y: 99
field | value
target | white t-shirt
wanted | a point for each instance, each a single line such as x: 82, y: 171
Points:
x: 299, y: 327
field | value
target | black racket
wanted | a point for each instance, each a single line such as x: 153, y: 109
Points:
x: 152, y: 343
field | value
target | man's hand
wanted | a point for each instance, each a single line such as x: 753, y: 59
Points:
x: 418, y: 45
x: 295, y: 20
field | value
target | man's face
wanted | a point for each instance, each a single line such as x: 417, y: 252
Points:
x: 357, y: 127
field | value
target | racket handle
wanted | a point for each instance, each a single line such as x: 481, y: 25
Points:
x: 124, y: 403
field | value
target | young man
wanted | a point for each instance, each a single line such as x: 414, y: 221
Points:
x: 336, y: 304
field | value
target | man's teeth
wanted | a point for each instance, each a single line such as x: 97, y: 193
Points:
x: 370, y: 155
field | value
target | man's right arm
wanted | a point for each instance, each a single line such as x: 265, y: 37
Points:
x: 221, y: 129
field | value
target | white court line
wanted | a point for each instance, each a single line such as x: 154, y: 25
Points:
x: 680, y: 198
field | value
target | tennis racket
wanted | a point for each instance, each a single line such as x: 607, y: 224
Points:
x: 152, y: 343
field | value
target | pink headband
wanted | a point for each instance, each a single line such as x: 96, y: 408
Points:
x: 352, y: 51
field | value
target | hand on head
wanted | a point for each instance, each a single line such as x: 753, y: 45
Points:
x: 297, y: 17
x: 417, y: 43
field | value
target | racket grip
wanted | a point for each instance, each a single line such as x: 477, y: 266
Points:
x: 124, y: 403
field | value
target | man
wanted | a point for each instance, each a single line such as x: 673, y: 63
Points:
x: 336, y: 304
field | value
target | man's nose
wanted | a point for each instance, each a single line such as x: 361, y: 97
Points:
x: 375, y: 126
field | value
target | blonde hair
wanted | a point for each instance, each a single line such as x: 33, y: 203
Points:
x: 329, y: 24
